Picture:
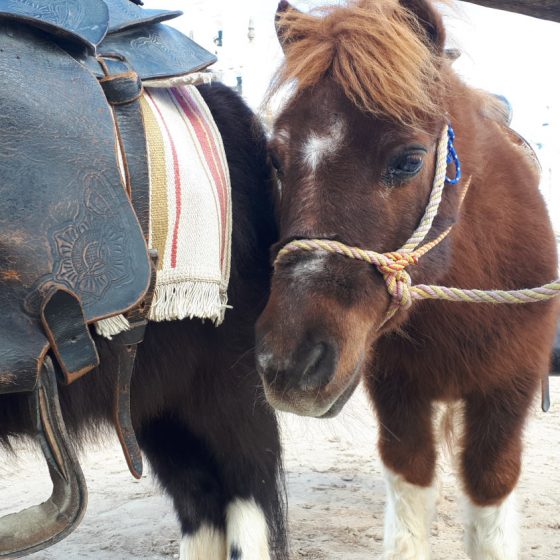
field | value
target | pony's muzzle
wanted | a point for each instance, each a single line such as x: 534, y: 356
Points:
x: 310, y: 368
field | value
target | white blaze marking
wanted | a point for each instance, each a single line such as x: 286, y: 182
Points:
x: 317, y: 147
x: 408, y: 518
x: 247, y: 530
x: 492, y: 532
x: 208, y: 542
x: 313, y: 264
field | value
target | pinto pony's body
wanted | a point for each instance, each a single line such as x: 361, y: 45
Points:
x: 197, y: 405
x: 355, y: 150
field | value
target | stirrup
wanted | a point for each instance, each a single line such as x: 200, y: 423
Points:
x: 41, y: 526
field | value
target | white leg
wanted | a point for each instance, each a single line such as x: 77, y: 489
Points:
x: 208, y: 543
x: 408, y: 518
x: 492, y: 532
x: 247, y: 531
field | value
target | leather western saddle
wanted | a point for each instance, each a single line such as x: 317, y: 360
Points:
x: 73, y: 230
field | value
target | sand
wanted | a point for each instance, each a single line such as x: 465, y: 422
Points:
x: 336, y: 495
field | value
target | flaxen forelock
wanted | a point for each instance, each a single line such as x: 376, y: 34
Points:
x: 375, y: 50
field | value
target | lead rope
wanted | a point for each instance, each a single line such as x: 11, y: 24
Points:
x: 393, y: 265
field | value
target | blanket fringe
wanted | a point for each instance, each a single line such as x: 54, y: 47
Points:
x: 112, y: 326
x: 205, y: 300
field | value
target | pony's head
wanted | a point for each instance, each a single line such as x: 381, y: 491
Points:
x: 355, y: 149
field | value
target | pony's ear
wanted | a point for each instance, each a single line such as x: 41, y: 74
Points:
x: 283, y: 8
x: 430, y: 19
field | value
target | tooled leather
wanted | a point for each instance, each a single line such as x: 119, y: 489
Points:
x: 125, y: 14
x: 84, y: 22
x: 114, y: 27
x: 62, y: 221
x: 157, y: 51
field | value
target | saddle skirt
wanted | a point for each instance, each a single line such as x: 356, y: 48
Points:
x: 75, y: 220
x: 70, y: 72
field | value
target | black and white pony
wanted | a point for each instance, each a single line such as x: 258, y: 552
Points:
x: 197, y: 401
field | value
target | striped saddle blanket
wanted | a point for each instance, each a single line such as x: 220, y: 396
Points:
x: 190, y: 208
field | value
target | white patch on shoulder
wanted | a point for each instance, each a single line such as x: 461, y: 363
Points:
x: 318, y: 147
x: 408, y: 518
x: 247, y: 531
x: 207, y: 543
x: 492, y: 532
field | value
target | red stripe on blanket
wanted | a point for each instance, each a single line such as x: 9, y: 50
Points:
x: 177, y: 174
x: 206, y: 139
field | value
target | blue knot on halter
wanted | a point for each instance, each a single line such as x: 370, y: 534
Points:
x: 452, y: 157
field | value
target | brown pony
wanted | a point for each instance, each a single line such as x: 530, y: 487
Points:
x: 355, y: 150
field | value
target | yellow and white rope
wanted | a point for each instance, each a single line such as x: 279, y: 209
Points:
x: 435, y: 198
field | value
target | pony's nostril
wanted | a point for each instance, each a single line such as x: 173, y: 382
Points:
x: 311, y: 368
x: 313, y: 358
x: 269, y: 366
x: 318, y: 367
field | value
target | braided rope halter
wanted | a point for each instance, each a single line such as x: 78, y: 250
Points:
x: 393, y: 266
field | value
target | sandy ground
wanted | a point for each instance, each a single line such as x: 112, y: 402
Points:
x: 336, y: 496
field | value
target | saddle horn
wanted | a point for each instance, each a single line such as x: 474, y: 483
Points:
x: 38, y: 527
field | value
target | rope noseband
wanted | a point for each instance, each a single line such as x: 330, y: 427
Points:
x: 393, y: 266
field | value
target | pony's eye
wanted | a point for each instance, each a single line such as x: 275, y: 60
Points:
x: 404, y: 166
x: 411, y: 163
x: 407, y: 164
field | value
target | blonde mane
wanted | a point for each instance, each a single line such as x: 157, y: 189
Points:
x: 375, y: 50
